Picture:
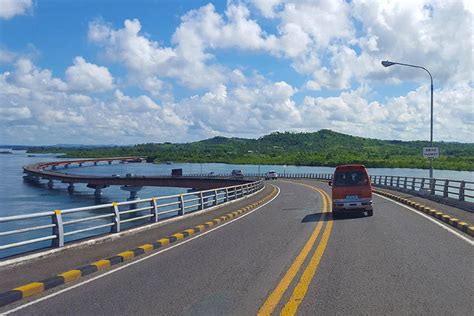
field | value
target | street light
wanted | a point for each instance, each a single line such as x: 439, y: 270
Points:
x: 387, y: 63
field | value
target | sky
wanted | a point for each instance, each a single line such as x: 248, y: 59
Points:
x: 127, y: 72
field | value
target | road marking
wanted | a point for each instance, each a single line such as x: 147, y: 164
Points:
x: 138, y: 260
x: 452, y: 231
x: 302, y: 287
x: 272, y: 301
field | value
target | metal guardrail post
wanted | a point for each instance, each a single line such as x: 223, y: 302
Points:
x: 181, y: 205
x: 215, y: 197
x: 422, y: 187
x: 154, y: 210
x: 446, y: 188
x: 462, y: 188
x: 413, y: 184
x: 432, y: 186
x: 391, y: 181
x: 58, y: 229
x: 201, y: 201
x: 116, y: 227
x: 405, y: 183
x: 385, y: 182
x: 226, y: 195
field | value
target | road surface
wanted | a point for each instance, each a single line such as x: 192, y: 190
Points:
x: 287, y: 257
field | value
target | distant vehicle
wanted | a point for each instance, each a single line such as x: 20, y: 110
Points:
x: 115, y: 176
x: 136, y: 160
x: 129, y: 175
x: 271, y: 175
x: 237, y: 173
x: 212, y: 173
x: 351, y: 190
x: 177, y: 172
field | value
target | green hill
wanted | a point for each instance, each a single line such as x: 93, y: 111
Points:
x: 322, y: 148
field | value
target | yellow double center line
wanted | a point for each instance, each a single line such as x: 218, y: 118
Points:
x: 301, y: 288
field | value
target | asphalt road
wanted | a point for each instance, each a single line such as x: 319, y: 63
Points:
x: 396, y: 262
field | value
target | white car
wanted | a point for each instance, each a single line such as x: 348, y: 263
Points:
x: 271, y: 175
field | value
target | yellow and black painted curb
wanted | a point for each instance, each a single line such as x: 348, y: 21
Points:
x: 454, y: 222
x: 30, y: 289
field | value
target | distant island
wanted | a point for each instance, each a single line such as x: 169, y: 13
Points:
x: 322, y: 148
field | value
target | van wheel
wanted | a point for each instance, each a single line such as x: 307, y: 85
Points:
x: 370, y: 213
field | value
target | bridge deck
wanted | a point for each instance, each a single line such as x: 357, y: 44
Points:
x: 43, y: 171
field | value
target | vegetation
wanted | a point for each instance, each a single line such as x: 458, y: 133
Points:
x: 322, y: 148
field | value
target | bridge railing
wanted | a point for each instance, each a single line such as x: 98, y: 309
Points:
x: 22, y: 233
x: 459, y: 193
x: 452, y: 192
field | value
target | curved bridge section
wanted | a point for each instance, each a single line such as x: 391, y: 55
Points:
x: 48, y: 171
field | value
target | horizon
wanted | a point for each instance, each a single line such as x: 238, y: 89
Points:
x: 226, y: 137
x: 185, y: 71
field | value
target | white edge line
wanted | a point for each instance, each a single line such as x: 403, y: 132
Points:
x: 449, y: 229
x: 136, y: 261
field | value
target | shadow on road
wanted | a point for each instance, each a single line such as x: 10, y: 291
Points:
x: 312, y: 218
x: 315, y: 217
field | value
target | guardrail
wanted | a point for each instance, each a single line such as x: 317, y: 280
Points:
x: 451, y: 192
x: 443, y: 188
x: 63, y: 226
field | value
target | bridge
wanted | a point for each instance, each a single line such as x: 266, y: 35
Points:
x: 132, y: 183
x: 273, y: 248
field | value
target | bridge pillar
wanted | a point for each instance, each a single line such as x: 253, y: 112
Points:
x: 80, y: 164
x: 110, y: 162
x: 66, y: 166
x: 133, y: 189
x: 95, y: 163
x: 50, y: 184
x: 70, y: 188
x: 97, y: 189
x: 31, y: 179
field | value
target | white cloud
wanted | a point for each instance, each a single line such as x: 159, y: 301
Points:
x: 6, y: 56
x: 37, y: 106
x: 10, y: 8
x: 329, y: 44
x: 14, y: 113
x: 84, y: 76
x: 406, y: 117
x: 267, y: 7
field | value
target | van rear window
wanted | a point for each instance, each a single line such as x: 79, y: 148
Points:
x: 350, y: 179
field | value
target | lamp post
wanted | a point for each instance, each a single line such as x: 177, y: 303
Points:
x: 387, y: 63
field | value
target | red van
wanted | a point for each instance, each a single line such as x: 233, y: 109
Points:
x: 351, y: 190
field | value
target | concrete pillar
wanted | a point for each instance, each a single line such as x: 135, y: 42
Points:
x: 31, y: 179
x: 70, y: 188
x: 133, y: 189
x: 97, y: 189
